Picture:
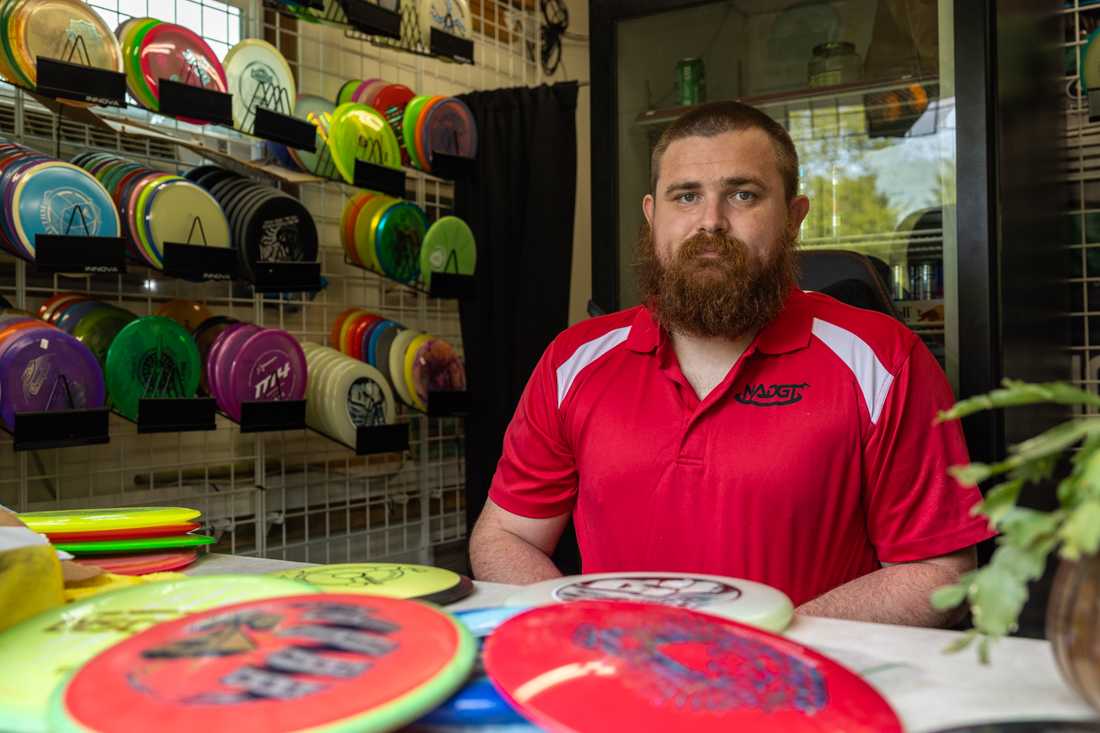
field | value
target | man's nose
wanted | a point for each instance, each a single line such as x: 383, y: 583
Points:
x: 714, y: 217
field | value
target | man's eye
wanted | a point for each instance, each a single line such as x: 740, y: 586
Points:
x: 745, y: 196
x: 688, y: 197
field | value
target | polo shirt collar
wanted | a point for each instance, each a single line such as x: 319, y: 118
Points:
x: 789, y: 331
x: 645, y: 334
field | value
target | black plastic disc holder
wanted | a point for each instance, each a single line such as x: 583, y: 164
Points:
x: 89, y: 255
x: 452, y: 285
x: 286, y: 277
x: 390, y: 181
x: 450, y: 47
x: 175, y: 415
x: 452, y: 167
x: 183, y: 100
x: 450, y: 403
x: 65, y: 80
x: 375, y: 439
x: 374, y: 20
x: 271, y: 416
x: 284, y: 129
x: 60, y: 428
x: 200, y: 264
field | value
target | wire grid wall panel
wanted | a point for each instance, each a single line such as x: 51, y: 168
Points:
x: 1079, y: 230
x: 292, y: 495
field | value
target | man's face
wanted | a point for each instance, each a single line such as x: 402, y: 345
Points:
x: 717, y: 256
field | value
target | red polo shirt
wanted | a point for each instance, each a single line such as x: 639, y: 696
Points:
x: 813, y: 462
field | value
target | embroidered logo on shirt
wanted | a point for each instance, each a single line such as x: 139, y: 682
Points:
x: 774, y: 395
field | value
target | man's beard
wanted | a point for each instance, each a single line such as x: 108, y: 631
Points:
x: 726, y: 296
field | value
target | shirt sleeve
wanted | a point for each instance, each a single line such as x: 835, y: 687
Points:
x: 915, y: 510
x: 537, y: 473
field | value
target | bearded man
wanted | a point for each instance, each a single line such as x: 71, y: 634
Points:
x: 734, y: 424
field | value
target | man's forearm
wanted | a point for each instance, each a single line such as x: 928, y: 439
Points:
x: 898, y: 594
x: 499, y: 556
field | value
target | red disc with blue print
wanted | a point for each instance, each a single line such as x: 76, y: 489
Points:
x: 619, y: 665
x: 315, y: 662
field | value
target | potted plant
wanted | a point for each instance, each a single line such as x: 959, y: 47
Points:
x: 997, y: 591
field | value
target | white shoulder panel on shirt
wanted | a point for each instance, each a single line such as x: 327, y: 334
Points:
x: 873, y: 378
x: 585, y: 355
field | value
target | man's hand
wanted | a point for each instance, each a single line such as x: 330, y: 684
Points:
x: 509, y: 548
x: 897, y: 594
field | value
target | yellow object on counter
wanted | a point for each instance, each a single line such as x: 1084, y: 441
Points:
x: 109, y: 581
x: 30, y: 583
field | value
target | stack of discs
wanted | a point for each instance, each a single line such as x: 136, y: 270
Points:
x: 265, y: 224
x: 44, y: 369
x: 413, y: 363
x: 449, y: 247
x: 125, y: 541
x: 259, y: 76
x: 478, y: 703
x: 419, y: 364
x: 391, y: 100
x: 309, y: 662
x: 46, y: 196
x: 188, y: 313
x: 153, y: 50
x: 151, y: 357
x: 157, y: 207
x: 294, y: 158
x: 384, y: 234
x: 360, y: 91
x: 55, y: 642
x: 66, y: 30
x: 91, y: 322
x: 438, y: 124
x: 360, y: 132
x: 246, y: 363
x: 345, y: 393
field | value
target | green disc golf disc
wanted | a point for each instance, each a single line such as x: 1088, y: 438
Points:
x: 151, y: 357
x: 360, y: 132
x: 135, y: 545
x: 397, y: 239
x: 408, y: 128
x: 448, y: 246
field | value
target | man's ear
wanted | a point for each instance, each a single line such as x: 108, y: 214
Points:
x: 648, y: 203
x: 796, y: 213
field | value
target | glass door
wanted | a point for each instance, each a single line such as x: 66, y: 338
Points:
x: 865, y: 87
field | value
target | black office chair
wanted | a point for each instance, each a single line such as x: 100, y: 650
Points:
x: 850, y: 277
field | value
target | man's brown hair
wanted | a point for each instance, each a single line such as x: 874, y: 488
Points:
x: 716, y: 118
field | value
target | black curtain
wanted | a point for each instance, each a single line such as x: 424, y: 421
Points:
x: 519, y: 203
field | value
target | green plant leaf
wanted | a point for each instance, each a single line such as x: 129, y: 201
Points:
x: 971, y: 474
x: 999, y: 501
x: 1080, y: 534
x: 983, y: 650
x: 1016, y: 393
x: 1029, y: 527
x: 962, y: 642
x: 1022, y: 564
x: 1087, y: 469
x: 1054, y: 441
x: 949, y: 596
x: 996, y: 598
